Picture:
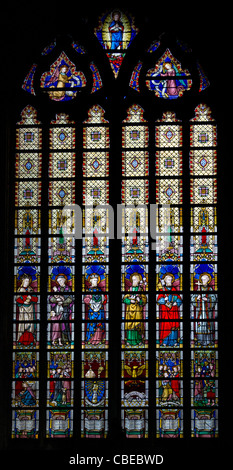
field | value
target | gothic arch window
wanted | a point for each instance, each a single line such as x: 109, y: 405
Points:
x: 113, y: 246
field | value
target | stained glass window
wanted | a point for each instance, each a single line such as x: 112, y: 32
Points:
x: 115, y: 282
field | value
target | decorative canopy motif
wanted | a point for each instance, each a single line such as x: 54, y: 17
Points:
x: 115, y: 33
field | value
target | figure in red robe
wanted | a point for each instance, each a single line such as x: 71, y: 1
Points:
x: 169, y: 302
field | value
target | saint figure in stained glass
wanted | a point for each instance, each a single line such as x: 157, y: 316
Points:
x: 167, y: 79
x: 204, y: 305
x: 62, y: 81
x: 61, y: 306
x: 135, y: 302
x: 25, y: 393
x: 94, y: 392
x: 95, y: 302
x: 26, y: 306
x: 115, y: 33
x: 169, y: 302
x: 116, y: 29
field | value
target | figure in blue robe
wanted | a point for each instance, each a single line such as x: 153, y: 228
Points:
x: 116, y: 29
x: 95, y: 331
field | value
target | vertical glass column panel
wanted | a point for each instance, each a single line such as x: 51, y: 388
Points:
x: 169, y: 277
x: 27, y: 258
x: 134, y: 280
x: 95, y: 272
x: 203, y: 274
x: 61, y: 280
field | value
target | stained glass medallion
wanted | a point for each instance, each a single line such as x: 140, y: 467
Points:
x: 62, y: 81
x: 115, y: 32
x: 167, y: 79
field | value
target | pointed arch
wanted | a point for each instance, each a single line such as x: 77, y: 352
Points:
x: 96, y: 145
